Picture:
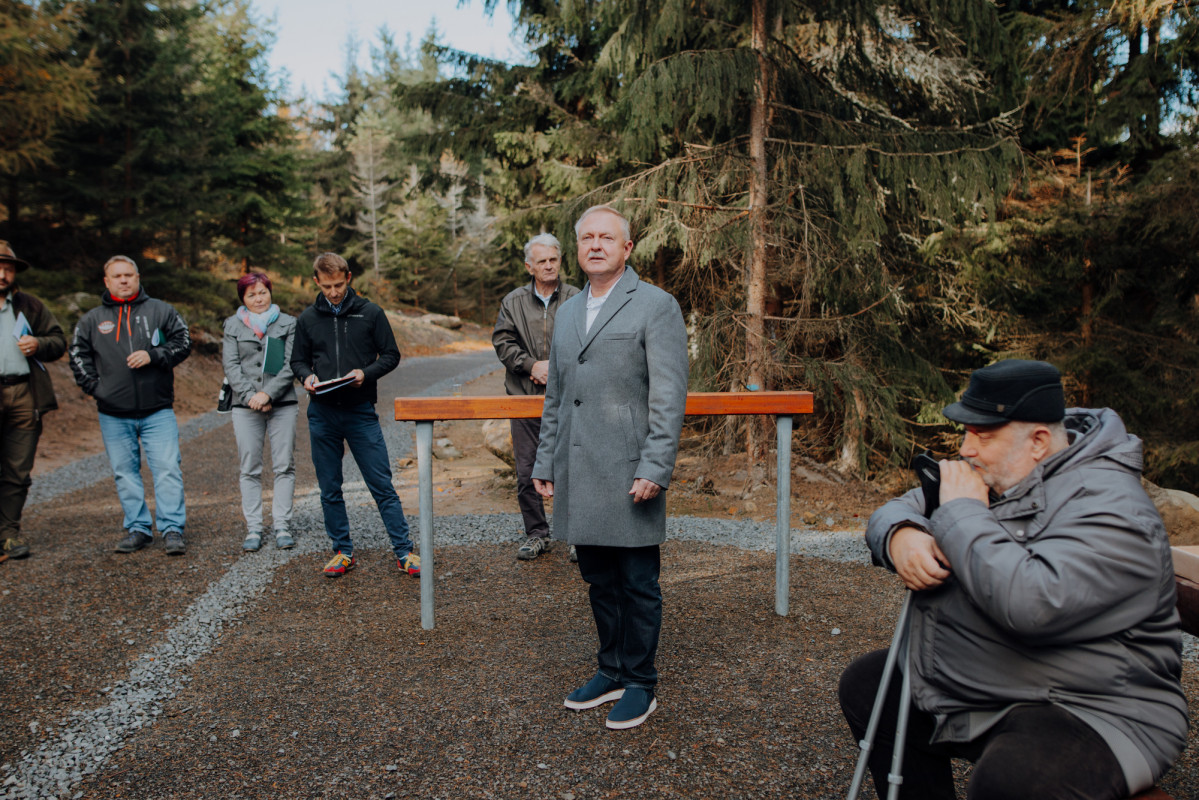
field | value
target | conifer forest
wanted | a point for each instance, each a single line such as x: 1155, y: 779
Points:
x: 866, y: 199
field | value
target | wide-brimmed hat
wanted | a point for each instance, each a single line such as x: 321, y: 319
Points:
x: 1030, y: 391
x: 20, y: 264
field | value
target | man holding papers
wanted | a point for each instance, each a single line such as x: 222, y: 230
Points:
x: 340, y: 336
x: 29, y: 336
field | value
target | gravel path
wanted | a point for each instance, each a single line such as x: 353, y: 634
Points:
x: 224, y: 674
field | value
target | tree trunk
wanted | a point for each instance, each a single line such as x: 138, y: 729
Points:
x: 373, y: 203
x: 127, y: 200
x: 193, y: 242
x: 755, y: 288
x: 849, y: 462
x: 14, y: 207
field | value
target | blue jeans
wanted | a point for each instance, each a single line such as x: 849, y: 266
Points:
x: 159, y: 435
x: 329, y: 429
x: 626, y: 602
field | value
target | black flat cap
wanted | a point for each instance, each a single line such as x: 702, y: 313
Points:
x: 11, y: 259
x: 1030, y: 391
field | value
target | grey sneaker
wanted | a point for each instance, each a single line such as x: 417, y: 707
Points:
x: 574, y: 555
x: 133, y: 541
x: 253, y: 541
x: 283, y: 541
x: 533, y: 547
x: 175, y: 546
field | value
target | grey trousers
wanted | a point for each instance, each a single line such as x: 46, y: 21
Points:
x: 250, y: 428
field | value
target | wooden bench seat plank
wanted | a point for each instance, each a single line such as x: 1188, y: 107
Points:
x: 424, y: 409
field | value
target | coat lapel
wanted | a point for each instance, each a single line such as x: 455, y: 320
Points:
x: 619, y: 295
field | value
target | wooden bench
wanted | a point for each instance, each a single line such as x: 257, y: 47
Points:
x: 424, y: 411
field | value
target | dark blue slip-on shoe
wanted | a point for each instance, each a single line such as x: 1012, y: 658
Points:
x: 599, y: 690
x: 633, y: 708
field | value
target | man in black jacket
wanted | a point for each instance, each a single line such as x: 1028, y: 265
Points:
x: 124, y: 354
x: 343, y: 335
x: 522, y: 336
x: 29, y: 336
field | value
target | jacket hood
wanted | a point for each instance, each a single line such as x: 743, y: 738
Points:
x: 353, y: 302
x: 1097, y: 434
x: 140, y: 297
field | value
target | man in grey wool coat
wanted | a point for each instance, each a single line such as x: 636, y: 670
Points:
x: 614, y: 404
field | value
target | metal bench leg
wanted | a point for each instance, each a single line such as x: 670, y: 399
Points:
x: 424, y: 466
x: 782, y: 540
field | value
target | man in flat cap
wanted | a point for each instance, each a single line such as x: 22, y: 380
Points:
x: 1043, y: 640
x: 29, y: 337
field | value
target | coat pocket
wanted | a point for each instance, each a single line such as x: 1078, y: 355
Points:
x: 631, y: 445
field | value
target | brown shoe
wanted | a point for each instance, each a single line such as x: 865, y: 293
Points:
x: 15, y: 548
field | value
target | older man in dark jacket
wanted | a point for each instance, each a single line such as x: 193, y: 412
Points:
x: 522, y: 336
x: 29, y: 337
x: 1044, y: 642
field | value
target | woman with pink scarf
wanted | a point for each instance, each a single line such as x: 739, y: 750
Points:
x: 264, y: 404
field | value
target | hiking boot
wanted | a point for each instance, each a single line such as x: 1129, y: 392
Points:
x: 410, y: 563
x: 633, y: 708
x: 574, y: 555
x: 133, y: 541
x: 339, y: 565
x: 533, y: 547
x: 175, y: 546
x: 597, y: 691
x: 283, y: 541
x: 14, y: 548
x: 253, y: 542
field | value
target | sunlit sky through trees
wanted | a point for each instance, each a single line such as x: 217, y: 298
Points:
x: 313, y: 34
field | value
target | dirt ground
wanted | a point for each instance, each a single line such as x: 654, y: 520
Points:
x: 332, y: 689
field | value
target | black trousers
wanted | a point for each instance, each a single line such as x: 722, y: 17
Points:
x: 525, y: 435
x: 1040, y: 751
x: 626, y: 602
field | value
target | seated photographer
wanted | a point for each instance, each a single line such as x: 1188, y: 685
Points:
x: 1044, y: 642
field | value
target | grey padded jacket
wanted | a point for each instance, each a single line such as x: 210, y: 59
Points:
x: 1062, y: 592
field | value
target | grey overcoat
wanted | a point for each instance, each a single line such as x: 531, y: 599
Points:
x: 614, y: 407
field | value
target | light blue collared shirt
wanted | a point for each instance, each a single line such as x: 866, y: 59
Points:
x: 12, y: 361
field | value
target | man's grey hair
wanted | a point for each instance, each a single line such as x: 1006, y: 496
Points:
x: 544, y: 239
x: 624, y: 221
x: 1057, y: 431
x: 115, y: 259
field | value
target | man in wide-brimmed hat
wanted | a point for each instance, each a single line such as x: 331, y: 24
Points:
x: 29, y: 337
x: 1043, y: 642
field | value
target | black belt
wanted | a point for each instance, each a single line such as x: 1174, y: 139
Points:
x: 13, y: 380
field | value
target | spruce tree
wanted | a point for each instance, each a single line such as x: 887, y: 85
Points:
x: 782, y: 161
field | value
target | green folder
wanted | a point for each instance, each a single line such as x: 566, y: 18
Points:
x: 272, y: 355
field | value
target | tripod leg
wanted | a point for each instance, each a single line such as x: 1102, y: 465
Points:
x: 872, y: 727
x: 895, y: 778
